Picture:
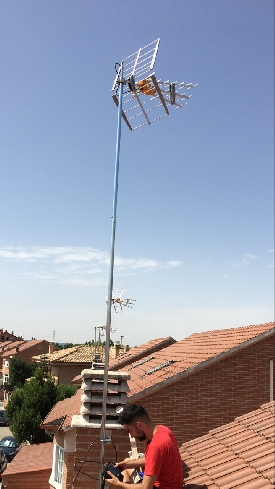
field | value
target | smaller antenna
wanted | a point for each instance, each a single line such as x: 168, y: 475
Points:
x: 118, y: 302
x: 53, y: 336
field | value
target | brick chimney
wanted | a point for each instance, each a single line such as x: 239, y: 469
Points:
x: 51, y: 348
x: 117, y: 349
x: 17, y: 349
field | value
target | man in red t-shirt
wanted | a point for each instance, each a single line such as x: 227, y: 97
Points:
x: 162, y: 462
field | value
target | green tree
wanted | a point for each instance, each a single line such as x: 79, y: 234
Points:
x: 19, y: 371
x: 30, y: 404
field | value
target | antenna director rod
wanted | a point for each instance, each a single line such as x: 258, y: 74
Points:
x: 111, y: 273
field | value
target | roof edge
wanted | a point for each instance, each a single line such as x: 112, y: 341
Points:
x: 123, y: 360
x: 201, y: 365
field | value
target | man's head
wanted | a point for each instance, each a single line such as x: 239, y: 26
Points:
x: 136, y: 421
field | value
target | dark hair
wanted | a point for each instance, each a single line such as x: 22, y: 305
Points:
x: 131, y: 413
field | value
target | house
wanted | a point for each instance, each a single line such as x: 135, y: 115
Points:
x: 65, y: 364
x: 193, y: 386
x: 24, y: 350
x: 209, y: 378
x: 6, y: 336
x: 4, y: 347
x: 30, y: 469
x: 238, y: 455
x: 121, y: 360
x: 77, y: 437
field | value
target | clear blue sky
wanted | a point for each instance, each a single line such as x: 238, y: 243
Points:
x: 194, y: 243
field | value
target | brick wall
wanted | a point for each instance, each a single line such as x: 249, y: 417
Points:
x: 29, y: 480
x: 33, y: 351
x: 85, y: 437
x: 215, y: 395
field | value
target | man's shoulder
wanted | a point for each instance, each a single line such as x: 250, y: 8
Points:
x: 162, y: 435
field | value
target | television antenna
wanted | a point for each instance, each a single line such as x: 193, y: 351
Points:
x: 141, y: 99
x: 118, y: 303
x: 145, y: 99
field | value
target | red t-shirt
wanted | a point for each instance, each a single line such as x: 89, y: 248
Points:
x: 162, y: 458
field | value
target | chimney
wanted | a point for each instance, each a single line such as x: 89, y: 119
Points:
x: 127, y: 347
x: 17, y: 349
x: 117, y: 349
x: 51, y: 348
x: 97, y: 362
x: 92, y: 398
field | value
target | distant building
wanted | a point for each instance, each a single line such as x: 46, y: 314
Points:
x: 6, y: 336
x: 24, y: 350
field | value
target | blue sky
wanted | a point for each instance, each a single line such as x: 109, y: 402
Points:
x: 194, y: 242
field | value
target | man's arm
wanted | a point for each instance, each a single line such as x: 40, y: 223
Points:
x: 128, y: 463
x: 147, y: 482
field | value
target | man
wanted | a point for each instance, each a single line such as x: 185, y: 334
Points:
x: 162, y: 462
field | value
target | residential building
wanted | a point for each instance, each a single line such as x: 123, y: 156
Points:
x: 193, y: 386
x: 30, y: 469
x: 6, y: 346
x: 238, y: 455
x: 65, y: 364
x: 6, y: 336
x: 25, y: 351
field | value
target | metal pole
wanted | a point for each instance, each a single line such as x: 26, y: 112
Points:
x: 111, y: 272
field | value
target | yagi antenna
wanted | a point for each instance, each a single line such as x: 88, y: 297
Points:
x: 118, y: 303
x: 146, y: 99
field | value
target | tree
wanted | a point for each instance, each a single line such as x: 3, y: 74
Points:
x: 19, y: 371
x: 30, y: 404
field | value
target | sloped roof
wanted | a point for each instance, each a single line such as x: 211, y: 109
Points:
x: 31, y: 458
x: 75, y: 354
x: 61, y: 414
x: 24, y: 346
x: 188, y: 355
x: 10, y: 345
x: 238, y: 455
x: 134, y: 354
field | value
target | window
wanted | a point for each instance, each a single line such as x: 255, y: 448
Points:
x: 6, y: 364
x: 59, y: 464
x: 6, y: 378
x: 39, y: 347
x: 57, y: 468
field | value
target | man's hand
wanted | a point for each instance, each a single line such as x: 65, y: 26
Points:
x: 113, y: 481
x: 128, y: 463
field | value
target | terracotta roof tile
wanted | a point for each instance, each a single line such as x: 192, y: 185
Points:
x: 31, y: 458
x: 75, y: 354
x: 137, y: 353
x: 233, y: 456
x: 189, y: 353
x: 22, y: 346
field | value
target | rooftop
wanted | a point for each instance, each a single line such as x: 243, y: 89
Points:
x: 140, y: 351
x: 166, y: 365
x: 134, y: 354
x: 75, y: 354
x: 188, y: 355
x: 239, y: 455
x: 23, y: 345
x: 31, y: 458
